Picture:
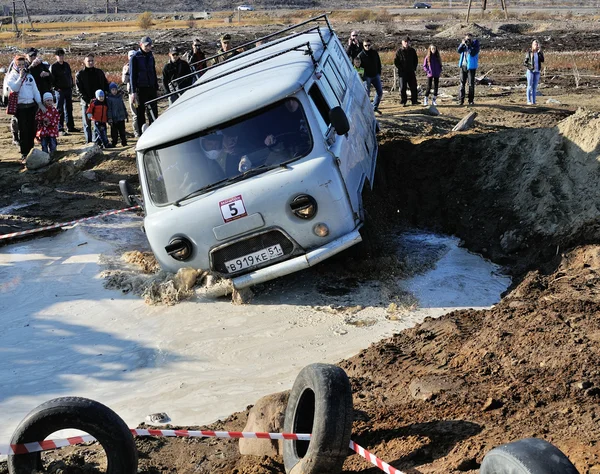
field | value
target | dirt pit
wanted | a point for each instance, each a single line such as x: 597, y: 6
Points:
x: 521, y: 188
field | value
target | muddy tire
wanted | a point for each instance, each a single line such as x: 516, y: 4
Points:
x: 527, y: 456
x: 320, y: 403
x: 82, y: 414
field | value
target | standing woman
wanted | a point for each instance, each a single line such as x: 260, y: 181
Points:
x: 433, y: 67
x: 19, y: 80
x: 533, y: 62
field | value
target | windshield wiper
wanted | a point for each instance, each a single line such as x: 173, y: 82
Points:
x: 222, y: 182
x: 203, y: 189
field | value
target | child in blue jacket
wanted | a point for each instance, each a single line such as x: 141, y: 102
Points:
x: 117, y: 115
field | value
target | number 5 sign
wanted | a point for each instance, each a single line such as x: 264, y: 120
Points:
x: 232, y: 208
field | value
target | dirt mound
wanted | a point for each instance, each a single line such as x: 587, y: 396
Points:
x: 517, y: 195
x: 460, y: 30
x: 528, y: 367
x: 513, y: 28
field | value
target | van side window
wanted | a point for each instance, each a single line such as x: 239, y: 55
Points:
x: 317, y: 97
x: 335, y: 79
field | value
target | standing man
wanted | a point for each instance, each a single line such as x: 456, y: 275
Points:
x: 468, y: 62
x: 88, y: 81
x: 406, y: 62
x: 62, y: 80
x: 225, y: 48
x: 144, y: 83
x: 196, y: 56
x: 354, y: 46
x: 175, y: 68
x: 371, y: 63
x: 40, y: 70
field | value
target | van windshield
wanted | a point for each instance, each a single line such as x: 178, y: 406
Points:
x: 265, y: 139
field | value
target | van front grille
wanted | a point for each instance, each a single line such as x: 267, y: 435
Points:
x: 247, y: 246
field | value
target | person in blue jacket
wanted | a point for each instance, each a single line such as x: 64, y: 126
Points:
x: 143, y: 82
x: 468, y: 62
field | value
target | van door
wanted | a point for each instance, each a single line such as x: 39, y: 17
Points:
x: 354, y: 152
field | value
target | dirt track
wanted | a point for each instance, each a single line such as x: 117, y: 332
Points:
x: 521, y: 187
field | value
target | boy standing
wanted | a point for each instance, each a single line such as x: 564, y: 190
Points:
x: 97, y: 113
x: 47, y: 124
x: 117, y: 114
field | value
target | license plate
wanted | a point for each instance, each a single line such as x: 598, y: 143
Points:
x: 254, y: 258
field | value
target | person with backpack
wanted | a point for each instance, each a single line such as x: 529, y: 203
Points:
x: 144, y: 82
x: 433, y: 68
x: 125, y: 80
x: 468, y: 62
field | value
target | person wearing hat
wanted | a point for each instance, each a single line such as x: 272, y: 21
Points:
x: 196, y: 57
x: 406, y: 61
x: 88, y: 81
x: 47, y: 124
x: 143, y: 82
x: 62, y: 80
x: 174, y: 69
x: 21, y: 81
x: 40, y: 70
x: 225, y: 51
x: 97, y: 113
x: 117, y: 115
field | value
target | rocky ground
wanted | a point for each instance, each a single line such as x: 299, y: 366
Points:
x: 519, y: 187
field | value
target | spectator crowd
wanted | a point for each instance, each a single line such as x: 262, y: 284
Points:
x: 40, y: 95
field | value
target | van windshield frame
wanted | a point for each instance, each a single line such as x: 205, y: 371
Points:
x: 253, y: 144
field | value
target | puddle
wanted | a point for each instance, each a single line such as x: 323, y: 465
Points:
x: 202, y: 359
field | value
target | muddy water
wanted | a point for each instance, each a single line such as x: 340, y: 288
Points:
x: 65, y: 335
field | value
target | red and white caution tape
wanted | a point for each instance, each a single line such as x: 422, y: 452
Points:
x: 66, y: 224
x: 385, y: 467
x: 35, y: 447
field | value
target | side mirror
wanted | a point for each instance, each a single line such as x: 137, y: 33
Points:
x: 127, y: 192
x: 339, y: 121
x: 145, y: 127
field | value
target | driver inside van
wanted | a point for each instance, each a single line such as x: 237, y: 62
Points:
x: 221, y: 149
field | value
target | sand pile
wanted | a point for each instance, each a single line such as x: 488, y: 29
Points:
x: 460, y: 30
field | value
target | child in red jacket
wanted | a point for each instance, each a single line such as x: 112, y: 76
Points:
x: 47, y: 124
x: 97, y: 112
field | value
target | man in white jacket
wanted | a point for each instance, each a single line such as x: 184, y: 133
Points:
x: 19, y: 80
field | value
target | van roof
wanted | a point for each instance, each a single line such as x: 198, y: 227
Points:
x: 241, y: 92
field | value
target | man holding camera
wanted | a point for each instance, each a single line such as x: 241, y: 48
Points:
x: 468, y: 61
x: 354, y: 46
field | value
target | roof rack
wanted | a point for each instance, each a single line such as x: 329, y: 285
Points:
x: 252, y: 51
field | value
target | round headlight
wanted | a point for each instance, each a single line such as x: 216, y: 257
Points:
x: 179, y: 248
x: 304, y: 206
x: 321, y: 230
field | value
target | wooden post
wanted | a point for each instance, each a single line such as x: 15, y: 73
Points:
x: 14, y: 19
x: 116, y: 6
x: 106, y: 8
x: 503, y: 3
x: 469, y: 10
x: 483, y: 7
x: 27, y: 13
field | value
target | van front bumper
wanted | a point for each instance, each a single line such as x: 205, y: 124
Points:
x: 299, y: 263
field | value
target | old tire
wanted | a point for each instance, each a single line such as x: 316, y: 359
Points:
x: 82, y: 414
x: 320, y: 403
x: 527, y: 456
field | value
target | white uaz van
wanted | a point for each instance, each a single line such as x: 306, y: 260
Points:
x: 257, y: 170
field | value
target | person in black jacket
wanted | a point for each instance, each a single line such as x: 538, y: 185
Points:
x: 88, y: 81
x: 62, y: 80
x: 175, y: 68
x: 371, y: 63
x: 533, y: 62
x: 144, y: 83
x: 40, y: 70
x: 406, y: 62
x: 354, y: 46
